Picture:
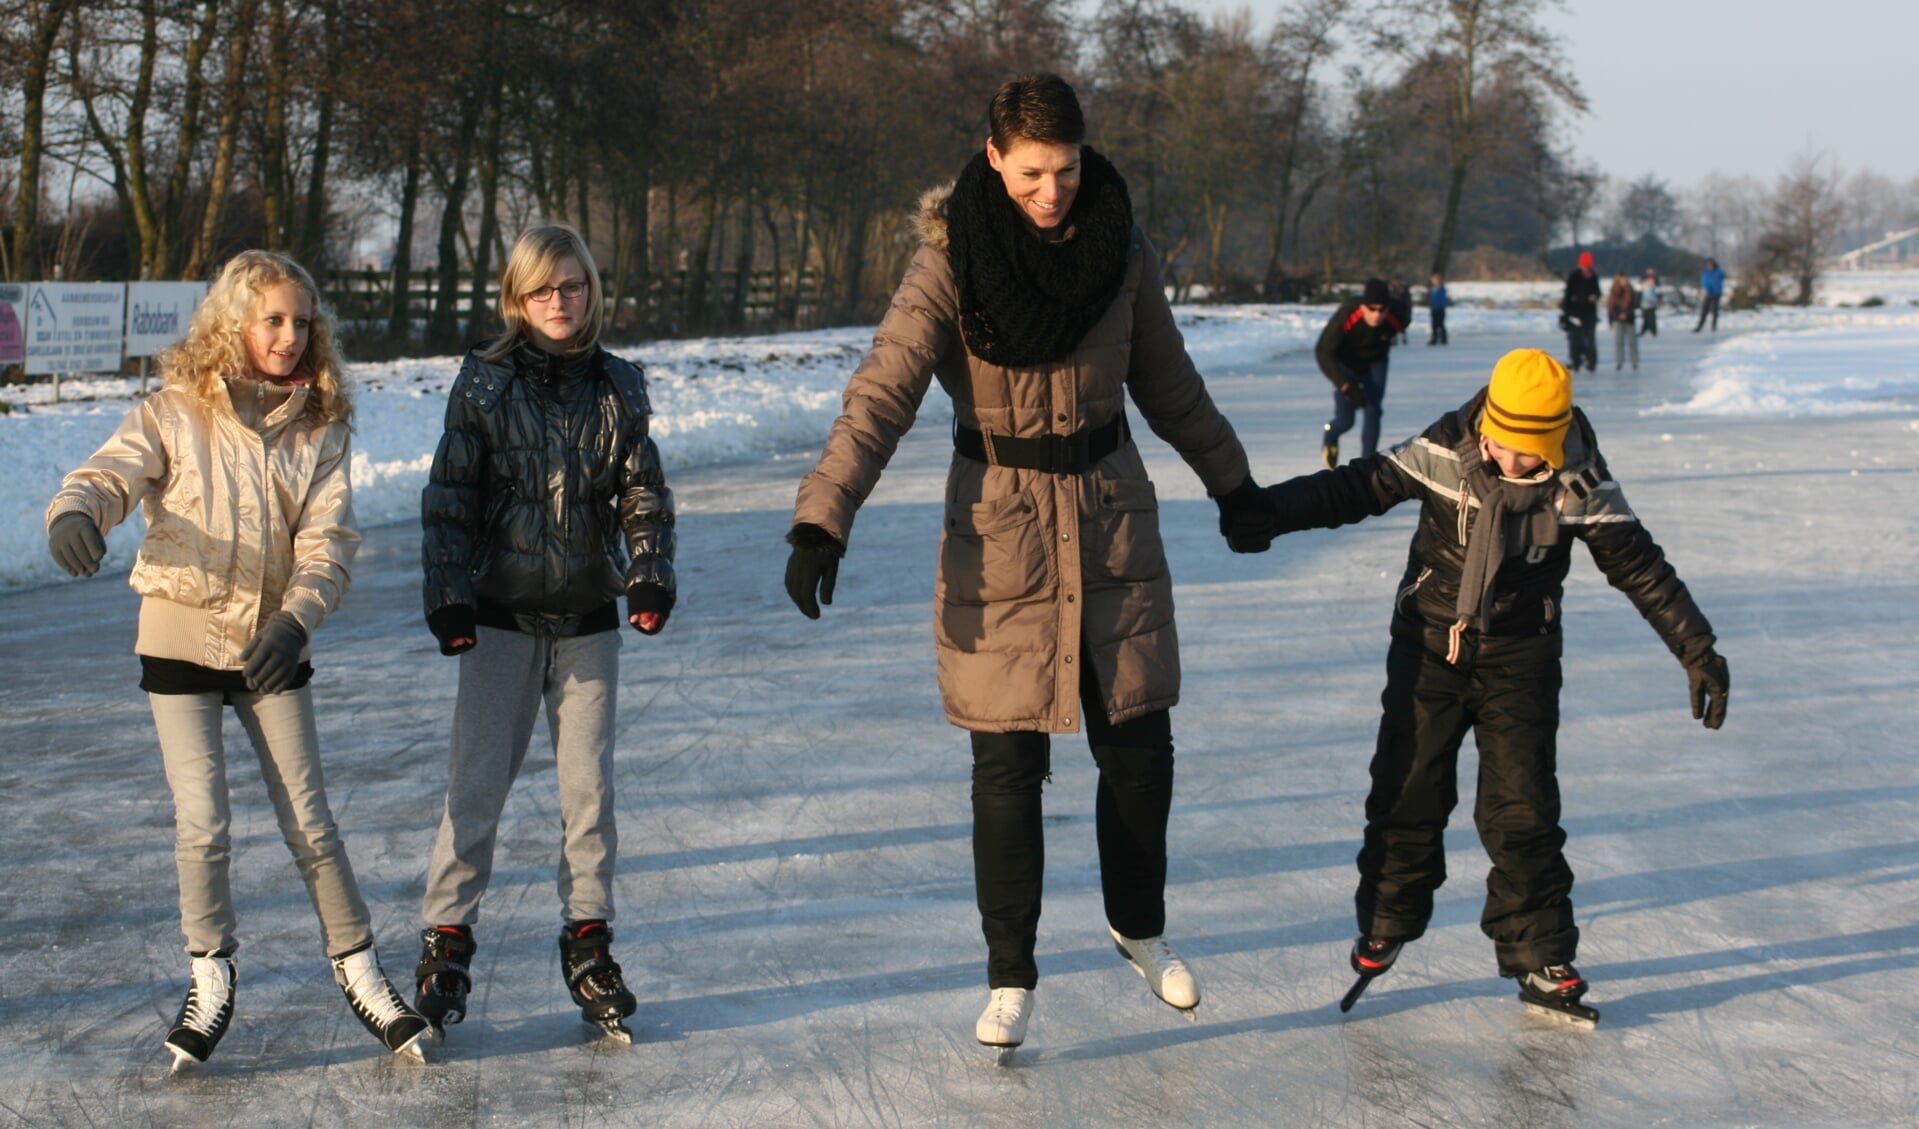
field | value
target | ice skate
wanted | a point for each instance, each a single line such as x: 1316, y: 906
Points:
x: 1554, y: 992
x: 1166, y: 974
x: 381, y: 1010
x: 1371, y: 958
x: 593, y: 976
x: 444, y: 975
x: 206, y: 1011
x: 1002, y: 1025
x: 1329, y: 454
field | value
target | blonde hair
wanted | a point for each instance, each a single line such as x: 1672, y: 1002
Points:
x: 535, y: 259
x: 215, y: 345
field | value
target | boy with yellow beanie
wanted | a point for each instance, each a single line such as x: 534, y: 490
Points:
x: 1505, y: 484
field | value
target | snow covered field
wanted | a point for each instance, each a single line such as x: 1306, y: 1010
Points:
x: 795, y: 883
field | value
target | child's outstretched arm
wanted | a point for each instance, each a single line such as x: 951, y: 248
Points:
x: 103, y: 491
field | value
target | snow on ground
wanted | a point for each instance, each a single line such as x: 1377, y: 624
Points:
x: 795, y: 884
x: 718, y: 400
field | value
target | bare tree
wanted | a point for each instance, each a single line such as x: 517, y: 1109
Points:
x: 1477, y: 42
x: 41, y: 20
x: 1647, y: 209
x: 1804, y: 216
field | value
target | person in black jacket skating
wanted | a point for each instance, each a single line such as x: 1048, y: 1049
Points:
x: 1506, y: 484
x: 1579, y: 314
x: 545, y: 506
x: 1352, y: 352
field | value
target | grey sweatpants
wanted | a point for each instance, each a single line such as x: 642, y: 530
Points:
x: 283, y: 735
x: 503, y: 681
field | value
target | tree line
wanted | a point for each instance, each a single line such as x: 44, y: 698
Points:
x: 755, y: 166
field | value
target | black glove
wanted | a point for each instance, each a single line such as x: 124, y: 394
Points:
x: 455, y: 626
x: 1707, y: 682
x: 648, y: 597
x: 813, y: 567
x: 76, y: 544
x: 271, y: 659
x: 1246, y: 518
x: 1565, y: 324
x: 1355, y: 395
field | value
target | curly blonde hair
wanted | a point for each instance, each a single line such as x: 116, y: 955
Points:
x: 535, y: 259
x: 215, y: 345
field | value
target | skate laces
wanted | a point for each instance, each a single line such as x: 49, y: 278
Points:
x: 1160, y: 952
x: 367, y: 987
x: 1006, y: 1005
x: 208, y: 997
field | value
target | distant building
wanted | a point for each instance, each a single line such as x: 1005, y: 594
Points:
x: 1897, y: 249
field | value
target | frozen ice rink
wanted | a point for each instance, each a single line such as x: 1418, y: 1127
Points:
x: 796, y: 896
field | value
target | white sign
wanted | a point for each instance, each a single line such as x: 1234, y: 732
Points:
x: 75, y: 326
x: 158, y: 313
x: 13, y: 323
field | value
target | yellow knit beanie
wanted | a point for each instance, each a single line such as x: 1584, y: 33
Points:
x: 1529, y: 405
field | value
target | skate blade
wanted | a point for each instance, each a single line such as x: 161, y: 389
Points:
x: 1002, y: 1054
x: 183, y: 1063
x: 613, y: 1031
x: 1353, y: 993
x: 415, y: 1048
x: 1574, y: 1015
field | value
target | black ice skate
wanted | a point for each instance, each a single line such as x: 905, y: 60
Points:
x: 444, y: 975
x: 1329, y: 453
x: 1371, y: 958
x: 593, y: 976
x: 1554, y: 992
x: 206, y: 1011
x: 381, y: 1010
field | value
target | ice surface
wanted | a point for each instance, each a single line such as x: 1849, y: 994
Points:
x: 796, y: 907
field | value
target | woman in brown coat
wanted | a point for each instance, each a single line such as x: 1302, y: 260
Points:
x: 1039, y: 307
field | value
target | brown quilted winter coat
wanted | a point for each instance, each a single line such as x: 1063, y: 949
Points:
x: 1030, y: 563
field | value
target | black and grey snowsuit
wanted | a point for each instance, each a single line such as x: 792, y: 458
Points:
x: 1498, y: 676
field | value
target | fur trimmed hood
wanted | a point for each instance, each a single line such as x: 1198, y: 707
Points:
x: 929, y: 220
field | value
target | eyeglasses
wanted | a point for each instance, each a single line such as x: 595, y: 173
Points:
x: 1372, y: 309
x: 568, y: 291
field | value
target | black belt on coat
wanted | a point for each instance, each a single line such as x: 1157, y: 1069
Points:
x: 1053, y: 454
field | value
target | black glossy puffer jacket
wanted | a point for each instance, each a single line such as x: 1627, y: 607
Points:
x: 546, y: 498
x: 1443, y: 469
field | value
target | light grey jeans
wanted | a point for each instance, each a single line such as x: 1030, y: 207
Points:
x: 283, y: 735
x: 503, y: 681
x: 1625, y: 343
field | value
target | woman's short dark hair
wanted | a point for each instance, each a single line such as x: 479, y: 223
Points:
x: 1036, y: 107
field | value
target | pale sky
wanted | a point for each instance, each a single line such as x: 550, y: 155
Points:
x: 1681, y: 88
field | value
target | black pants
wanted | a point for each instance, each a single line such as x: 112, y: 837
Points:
x: 1438, y: 318
x: 1649, y: 321
x: 1513, y: 712
x: 1130, y: 807
x: 1708, y: 305
x: 1582, y: 341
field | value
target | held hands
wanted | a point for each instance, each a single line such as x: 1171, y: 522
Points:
x: 1707, y: 682
x: 271, y: 659
x: 813, y: 568
x: 1246, y: 518
x: 1355, y: 395
x: 76, y: 544
x: 647, y: 606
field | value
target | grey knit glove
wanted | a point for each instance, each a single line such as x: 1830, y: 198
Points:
x: 76, y: 544
x: 271, y: 660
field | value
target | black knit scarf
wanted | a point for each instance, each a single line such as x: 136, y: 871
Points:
x: 1024, y: 300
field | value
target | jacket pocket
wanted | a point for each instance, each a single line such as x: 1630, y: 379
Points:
x: 1125, y: 544
x: 1409, y: 591
x: 992, y: 551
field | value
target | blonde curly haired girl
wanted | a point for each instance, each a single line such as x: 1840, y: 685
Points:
x: 241, y: 465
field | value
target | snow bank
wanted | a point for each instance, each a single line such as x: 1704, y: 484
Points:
x: 724, y: 399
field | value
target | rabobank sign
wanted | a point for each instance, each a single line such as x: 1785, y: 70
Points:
x: 158, y: 314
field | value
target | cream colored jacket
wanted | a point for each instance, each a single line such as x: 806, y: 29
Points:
x: 242, y: 521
